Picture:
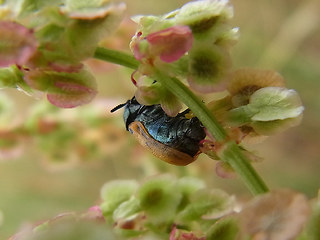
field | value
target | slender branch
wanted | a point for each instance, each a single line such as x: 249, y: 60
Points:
x: 231, y: 153
x: 117, y: 57
x: 196, y: 106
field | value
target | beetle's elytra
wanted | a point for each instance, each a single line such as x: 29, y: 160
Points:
x: 172, y: 139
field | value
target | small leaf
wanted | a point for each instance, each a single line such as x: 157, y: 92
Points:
x: 149, y: 92
x: 206, y: 204
x: 83, y: 35
x: 187, y: 186
x: 274, y: 103
x: 116, y: 192
x: 275, y: 126
x: 17, y: 44
x: 66, y: 90
x: 127, y: 209
x: 86, y: 10
x: 223, y: 229
x: 10, y: 76
x: 159, y: 198
x: 83, y: 4
x: 239, y: 116
x: 208, y: 66
x: 170, y: 104
x: 202, y: 16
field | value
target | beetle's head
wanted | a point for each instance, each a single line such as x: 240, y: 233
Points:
x: 131, y: 110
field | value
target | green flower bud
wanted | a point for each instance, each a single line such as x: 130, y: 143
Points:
x: 159, y: 198
x: 208, y: 66
x: 187, y: 186
x: 116, y: 192
x: 206, y: 205
x: 10, y: 77
x: 128, y: 218
x: 202, y: 16
x: 127, y: 209
x: 270, y: 110
x: 224, y: 229
x: 148, y: 91
x: 273, y: 103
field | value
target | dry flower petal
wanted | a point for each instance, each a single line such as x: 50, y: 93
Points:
x: 277, y: 215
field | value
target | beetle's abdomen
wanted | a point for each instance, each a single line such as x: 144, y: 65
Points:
x: 178, y: 132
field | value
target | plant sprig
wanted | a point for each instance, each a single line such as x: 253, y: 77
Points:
x: 232, y: 153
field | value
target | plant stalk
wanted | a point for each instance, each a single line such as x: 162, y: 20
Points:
x: 231, y: 153
x: 117, y: 57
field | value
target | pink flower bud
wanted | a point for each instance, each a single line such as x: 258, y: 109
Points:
x: 171, y: 43
x: 17, y: 44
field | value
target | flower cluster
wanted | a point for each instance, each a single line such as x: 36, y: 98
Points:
x: 43, y: 45
x: 183, y: 209
x: 191, y: 43
x: 164, y: 206
x: 257, y: 105
x: 85, y: 133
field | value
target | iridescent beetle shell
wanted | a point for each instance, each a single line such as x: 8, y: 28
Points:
x: 172, y: 139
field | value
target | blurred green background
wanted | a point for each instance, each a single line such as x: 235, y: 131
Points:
x: 281, y: 35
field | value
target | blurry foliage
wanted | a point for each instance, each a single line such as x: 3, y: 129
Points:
x: 266, y: 41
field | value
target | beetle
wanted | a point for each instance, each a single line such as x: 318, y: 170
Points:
x: 172, y: 139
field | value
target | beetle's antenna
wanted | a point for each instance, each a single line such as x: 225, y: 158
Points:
x: 118, y: 107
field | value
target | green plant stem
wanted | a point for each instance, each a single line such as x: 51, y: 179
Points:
x: 117, y: 57
x: 196, y: 106
x: 231, y: 153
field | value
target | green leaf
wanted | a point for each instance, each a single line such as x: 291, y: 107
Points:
x: 275, y: 126
x: 9, y: 77
x: 202, y: 16
x: 206, y: 204
x: 82, y: 4
x: 83, y: 35
x: 127, y: 209
x: 23, y: 8
x: 114, y: 193
x: 275, y: 103
x: 224, y: 229
x: 239, y: 116
x: 187, y: 186
x: 159, y: 198
x: 208, y: 65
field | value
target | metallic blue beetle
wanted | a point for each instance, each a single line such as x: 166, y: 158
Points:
x: 172, y: 139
